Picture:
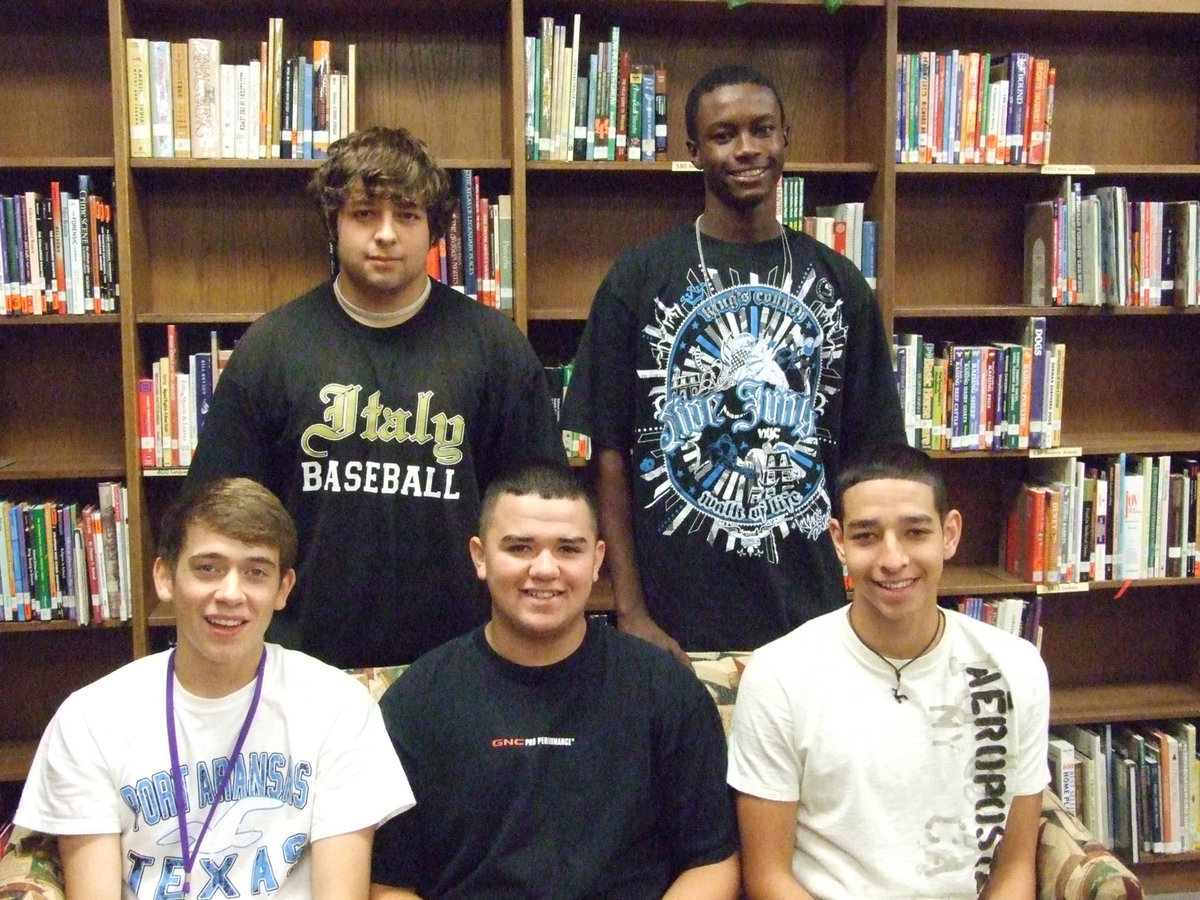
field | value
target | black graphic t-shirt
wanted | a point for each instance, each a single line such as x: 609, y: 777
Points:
x: 735, y: 396
x: 380, y: 443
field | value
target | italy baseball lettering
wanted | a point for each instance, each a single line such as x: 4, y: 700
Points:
x: 381, y: 423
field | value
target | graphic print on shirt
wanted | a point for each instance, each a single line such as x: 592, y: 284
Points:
x: 347, y: 415
x: 741, y: 378
x: 249, y: 847
x: 973, y: 730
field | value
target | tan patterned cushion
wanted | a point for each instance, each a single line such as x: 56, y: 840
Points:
x: 29, y: 868
x: 1071, y: 865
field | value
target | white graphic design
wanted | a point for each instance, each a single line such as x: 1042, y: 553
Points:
x: 741, y: 378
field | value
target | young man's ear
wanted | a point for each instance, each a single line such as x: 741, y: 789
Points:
x: 287, y: 581
x: 951, y: 532
x: 477, y: 557
x: 835, y: 532
x: 164, y: 580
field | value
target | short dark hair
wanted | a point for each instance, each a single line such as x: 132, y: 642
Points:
x: 383, y: 163
x: 237, y: 508
x: 894, y: 460
x: 549, y: 481
x: 720, y: 76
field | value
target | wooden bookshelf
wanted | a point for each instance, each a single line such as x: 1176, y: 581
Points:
x: 208, y: 244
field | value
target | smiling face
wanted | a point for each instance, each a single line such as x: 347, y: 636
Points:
x: 740, y: 145
x: 894, y: 545
x: 539, y: 558
x: 381, y: 249
x: 224, y: 593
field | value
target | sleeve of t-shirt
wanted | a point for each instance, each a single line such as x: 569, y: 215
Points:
x: 763, y: 758
x: 69, y: 789
x: 359, y: 780
x: 1033, y: 771
x: 871, y: 406
x: 600, y: 398
x: 699, y: 805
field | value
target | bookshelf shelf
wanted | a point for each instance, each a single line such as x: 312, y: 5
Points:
x: 15, y: 759
x: 1123, y: 702
x: 25, y: 469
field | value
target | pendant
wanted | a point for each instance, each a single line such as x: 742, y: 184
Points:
x: 900, y: 698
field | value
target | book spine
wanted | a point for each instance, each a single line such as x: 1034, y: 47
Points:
x: 137, y: 74
x: 204, y: 70
x: 467, y: 205
x: 162, y: 113
x: 660, y: 110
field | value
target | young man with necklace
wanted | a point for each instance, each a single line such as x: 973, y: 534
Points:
x: 725, y: 369
x: 379, y: 406
x: 891, y: 748
x: 553, y: 757
x: 228, y: 766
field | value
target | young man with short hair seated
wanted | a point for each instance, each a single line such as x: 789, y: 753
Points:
x: 226, y: 767
x: 891, y: 748
x: 552, y: 757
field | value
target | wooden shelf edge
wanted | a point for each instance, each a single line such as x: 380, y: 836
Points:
x: 59, y: 625
x: 1024, y: 311
x: 481, y: 163
x: 1088, y: 6
x: 100, y: 467
x: 16, y: 757
x: 57, y: 162
x: 1123, y: 702
x: 51, y: 320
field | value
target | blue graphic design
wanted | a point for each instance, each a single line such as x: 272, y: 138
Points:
x: 742, y: 377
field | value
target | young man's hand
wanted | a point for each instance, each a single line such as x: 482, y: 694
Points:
x: 639, y: 624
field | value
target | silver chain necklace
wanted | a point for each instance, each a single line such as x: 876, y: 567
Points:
x: 900, y: 698
x: 711, y: 289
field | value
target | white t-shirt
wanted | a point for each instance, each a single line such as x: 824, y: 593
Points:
x: 317, y: 762
x: 896, y: 800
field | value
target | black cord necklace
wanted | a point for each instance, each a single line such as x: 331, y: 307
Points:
x: 900, y: 698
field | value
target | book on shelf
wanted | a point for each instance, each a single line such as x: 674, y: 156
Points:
x: 54, y: 250
x: 969, y: 107
x: 269, y: 105
x: 581, y: 104
x: 137, y: 76
x: 47, y: 559
x: 1063, y: 773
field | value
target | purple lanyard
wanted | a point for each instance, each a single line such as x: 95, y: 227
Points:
x: 190, y: 853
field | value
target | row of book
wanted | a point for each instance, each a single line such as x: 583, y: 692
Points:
x: 66, y: 561
x: 1135, y: 787
x: 1102, y: 248
x: 59, y: 252
x: 967, y: 107
x: 576, y: 444
x: 998, y: 396
x: 1107, y: 519
x: 173, y: 401
x: 1016, y: 615
x: 598, y: 105
x: 841, y: 226
x: 476, y: 254
x: 186, y: 102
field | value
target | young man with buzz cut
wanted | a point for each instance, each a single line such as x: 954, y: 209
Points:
x: 725, y: 369
x: 227, y: 767
x: 891, y: 748
x: 553, y: 757
x: 378, y: 406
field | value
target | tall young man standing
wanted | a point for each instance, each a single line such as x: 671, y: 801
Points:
x: 226, y: 767
x: 378, y: 406
x: 724, y: 370
x: 552, y: 757
x: 891, y: 748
